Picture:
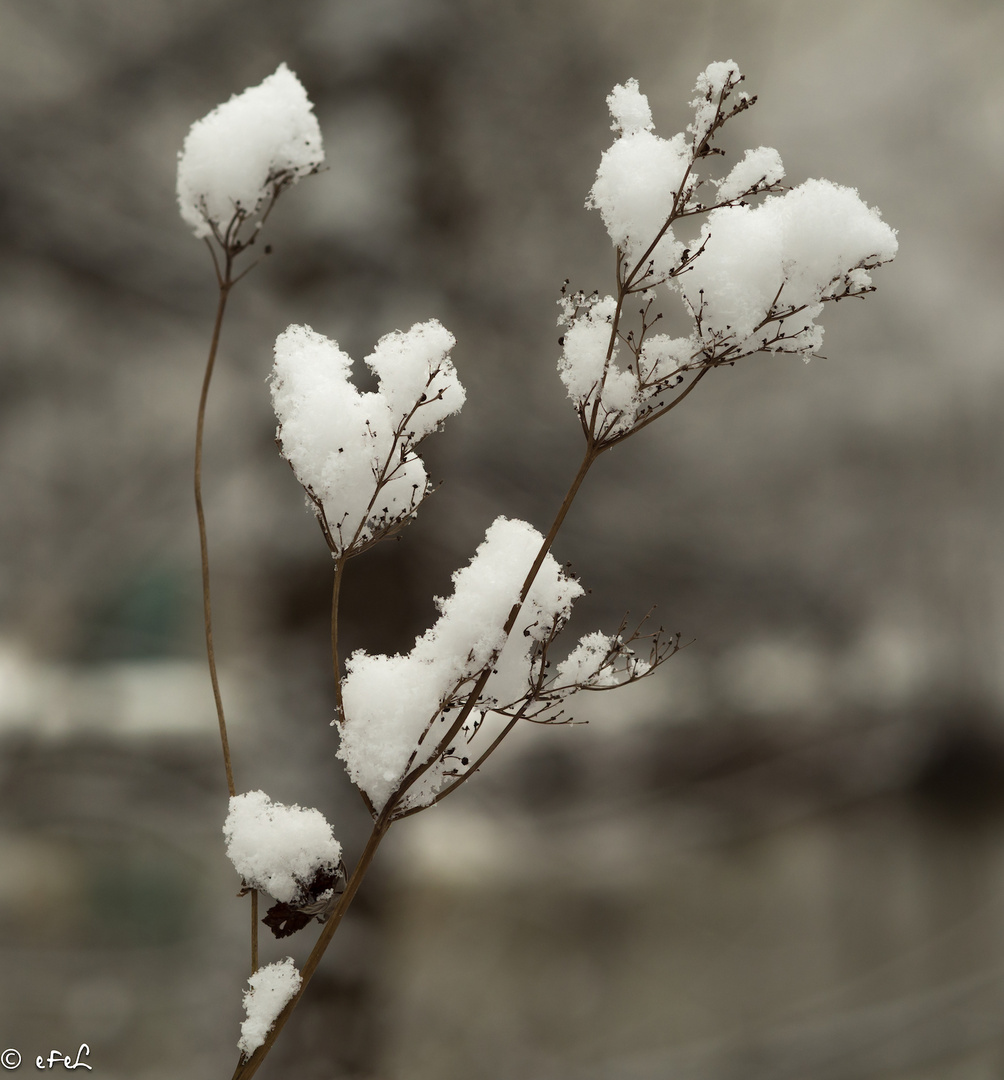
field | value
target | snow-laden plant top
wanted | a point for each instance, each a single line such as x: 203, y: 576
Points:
x: 245, y: 152
x: 356, y: 454
x: 755, y: 279
x: 752, y: 273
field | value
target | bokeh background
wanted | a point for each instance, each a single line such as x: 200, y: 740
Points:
x: 779, y: 859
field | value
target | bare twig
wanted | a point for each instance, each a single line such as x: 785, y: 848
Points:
x: 225, y: 285
x: 230, y: 247
x: 254, y: 931
x: 335, y: 594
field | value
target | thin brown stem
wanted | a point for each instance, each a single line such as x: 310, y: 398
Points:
x: 207, y: 607
x: 592, y: 453
x: 336, y: 666
x: 254, y: 931
x: 590, y: 429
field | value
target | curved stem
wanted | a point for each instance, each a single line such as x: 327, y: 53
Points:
x: 592, y: 453
x: 207, y: 607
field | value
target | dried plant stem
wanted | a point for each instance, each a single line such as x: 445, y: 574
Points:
x: 254, y: 931
x: 336, y: 666
x: 207, y: 608
x: 226, y: 281
x: 592, y: 453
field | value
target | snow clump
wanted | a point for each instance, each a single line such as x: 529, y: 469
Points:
x: 759, y: 169
x: 392, y: 703
x: 278, y: 849
x: 782, y: 259
x: 585, y: 344
x: 638, y: 180
x: 642, y: 179
x: 755, y: 279
x: 271, y: 988
x: 590, y: 666
x: 591, y: 376
x: 354, y: 453
x: 714, y: 84
x: 238, y: 154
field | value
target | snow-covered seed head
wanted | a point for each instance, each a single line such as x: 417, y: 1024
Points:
x: 246, y: 151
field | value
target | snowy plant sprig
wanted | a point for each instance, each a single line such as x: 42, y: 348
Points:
x: 401, y: 738
x: 598, y: 662
x: 754, y: 279
x: 397, y: 709
x: 356, y: 454
x: 241, y: 156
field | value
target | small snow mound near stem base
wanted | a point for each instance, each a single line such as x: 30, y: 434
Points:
x: 270, y: 989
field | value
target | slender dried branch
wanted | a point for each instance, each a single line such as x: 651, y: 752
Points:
x: 335, y: 664
x: 254, y: 931
x: 225, y: 285
x: 223, y: 267
x: 390, y: 812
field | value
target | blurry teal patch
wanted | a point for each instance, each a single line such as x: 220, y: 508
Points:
x: 147, y: 614
x: 134, y: 896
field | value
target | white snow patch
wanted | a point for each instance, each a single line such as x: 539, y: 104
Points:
x: 234, y: 155
x: 758, y: 169
x: 392, y: 702
x: 788, y: 253
x: 339, y: 441
x: 278, y: 848
x: 270, y: 989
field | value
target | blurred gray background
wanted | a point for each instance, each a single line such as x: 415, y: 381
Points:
x: 780, y: 858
